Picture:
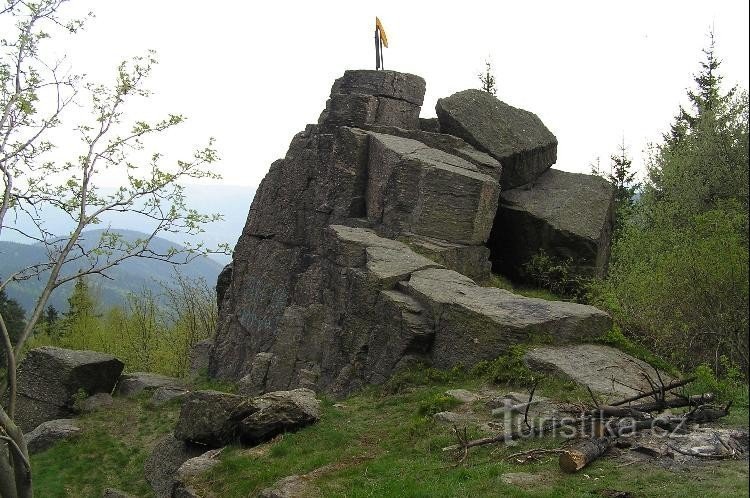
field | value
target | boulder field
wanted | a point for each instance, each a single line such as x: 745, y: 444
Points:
x: 364, y: 244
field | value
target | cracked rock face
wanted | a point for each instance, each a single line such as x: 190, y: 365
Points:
x: 358, y: 252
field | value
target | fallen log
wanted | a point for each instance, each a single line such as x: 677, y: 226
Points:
x: 577, y: 456
x: 668, y: 387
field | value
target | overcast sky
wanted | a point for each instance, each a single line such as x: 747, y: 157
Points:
x: 252, y: 74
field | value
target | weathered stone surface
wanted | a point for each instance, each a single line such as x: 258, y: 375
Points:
x: 134, y: 383
x: 289, y: 487
x: 474, y: 323
x: 278, y: 412
x: 50, y: 432
x: 167, y: 393
x: 362, y: 98
x: 452, y: 418
x: 211, y: 418
x: 408, y: 185
x: 49, y: 377
x: 321, y: 294
x: 200, y: 354
x: 161, y: 466
x: 254, y: 383
x: 93, y: 403
x: 191, y: 468
x: 595, y: 366
x: 223, y: 281
x: 391, y: 84
x: 515, y: 137
x: 449, y: 144
x: 472, y: 261
x: 567, y: 215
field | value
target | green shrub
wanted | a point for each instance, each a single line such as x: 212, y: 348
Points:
x: 437, y: 403
x: 507, y: 369
x: 557, y: 275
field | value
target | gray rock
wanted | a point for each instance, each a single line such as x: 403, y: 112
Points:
x: 292, y: 486
x: 93, y: 403
x: 391, y: 84
x: 408, y: 185
x: 191, y: 468
x: 472, y: 261
x: 115, y: 493
x: 216, y: 419
x: 595, y: 366
x: 160, y: 468
x: 254, y: 383
x: 132, y: 384
x: 49, y: 378
x: 515, y: 137
x: 474, y: 323
x: 49, y: 433
x: 279, y: 412
x: 200, y: 354
x: 211, y: 417
x: 567, y: 215
x: 164, y: 394
x: 223, y: 282
x: 463, y: 395
x: 362, y: 98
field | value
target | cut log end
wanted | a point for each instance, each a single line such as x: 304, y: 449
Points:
x: 583, y: 453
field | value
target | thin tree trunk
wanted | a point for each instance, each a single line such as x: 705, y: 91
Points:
x: 581, y: 454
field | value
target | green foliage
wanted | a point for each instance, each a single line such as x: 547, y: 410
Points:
x: 615, y: 338
x: 487, y: 79
x: 556, y: 275
x: 678, y: 277
x: 507, y: 369
x: 436, y: 403
x: 503, y: 283
x: 147, y: 334
x: 729, y: 387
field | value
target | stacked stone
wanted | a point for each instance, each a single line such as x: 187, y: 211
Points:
x: 363, y: 244
x: 569, y: 216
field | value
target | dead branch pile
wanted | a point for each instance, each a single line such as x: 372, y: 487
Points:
x: 595, y: 430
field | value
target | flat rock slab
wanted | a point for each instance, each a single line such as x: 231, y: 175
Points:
x: 474, y: 323
x: 390, y: 84
x: 49, y: 377
x: 50, y: 432
x: 569, y: 216
x: 134, y: 383
x: 515, y: 137
x: 167, y: 393
x: 595, y: 366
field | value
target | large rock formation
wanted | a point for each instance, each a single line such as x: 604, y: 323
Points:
x: 49, y: 378
x: 356, y: 255
x: 569, y: 216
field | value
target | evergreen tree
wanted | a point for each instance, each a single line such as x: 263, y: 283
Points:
x: 15, y: 320
x: 81, y: 316
x: 487, y: 79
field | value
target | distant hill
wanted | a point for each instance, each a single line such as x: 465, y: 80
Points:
x: 131, y: 275
x: 231, y: 201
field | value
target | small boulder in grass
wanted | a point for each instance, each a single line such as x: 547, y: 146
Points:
x: 48, y: 433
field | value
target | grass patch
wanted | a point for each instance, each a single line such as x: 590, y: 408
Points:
x: 501, y: 282
x: 109, y: 453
